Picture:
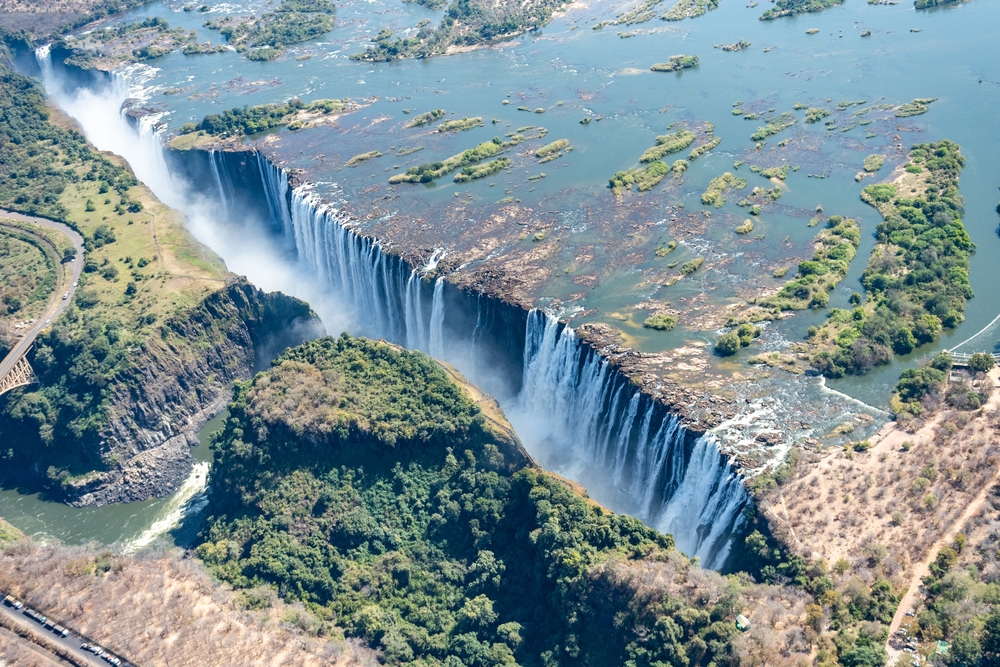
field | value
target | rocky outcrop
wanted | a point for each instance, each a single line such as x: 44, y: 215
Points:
x: 180, y: 381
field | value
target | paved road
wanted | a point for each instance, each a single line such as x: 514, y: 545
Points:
x: 71, y: 643
x: 57, y: 304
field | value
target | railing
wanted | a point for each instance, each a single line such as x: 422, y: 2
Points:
x: 962, y: 359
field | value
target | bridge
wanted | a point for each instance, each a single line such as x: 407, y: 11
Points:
x: 14, y: 369
x: 962, y: 353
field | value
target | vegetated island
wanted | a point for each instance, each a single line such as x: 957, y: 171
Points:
x: 466, y: 24
x: 683, y: 9
x: 917, y: 279
x: 425, y: 118
x: 646, y: 178
x: 110, y: 48
x: 380, y: 489
x: 239, y: 122
x: 676, y: 63
x: 431, y: 171
x: 154, y: 312
x: 796, y: 7
x: 28, y: 20
x: 265, y: 37
x: 646, y: 11
x: 927, y: 4
x: 835, y: 248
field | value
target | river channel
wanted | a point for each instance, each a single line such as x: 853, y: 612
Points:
x: 573, y: 71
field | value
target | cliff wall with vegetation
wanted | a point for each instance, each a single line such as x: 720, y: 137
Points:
x: 157, y: 330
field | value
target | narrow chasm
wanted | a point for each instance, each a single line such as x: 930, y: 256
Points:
x: 575, y: 412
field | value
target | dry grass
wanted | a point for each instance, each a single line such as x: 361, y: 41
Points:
x: 777, y: 637
x: 903, y: 494
x: 162, y: 610
x: 15, y: 651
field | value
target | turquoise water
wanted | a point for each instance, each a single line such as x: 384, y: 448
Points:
x: 122, y: 524
x: 598, y: 74
x: 573, y: 71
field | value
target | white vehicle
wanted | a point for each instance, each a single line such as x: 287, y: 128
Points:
x: 75, y: 283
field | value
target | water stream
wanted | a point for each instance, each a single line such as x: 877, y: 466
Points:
x: 574, y: 413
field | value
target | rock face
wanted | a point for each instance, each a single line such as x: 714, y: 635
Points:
x: 182, y: 380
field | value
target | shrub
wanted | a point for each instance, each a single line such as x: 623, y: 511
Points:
x: 660, y: 322
x: 728, y: 345
x: 981, y: 362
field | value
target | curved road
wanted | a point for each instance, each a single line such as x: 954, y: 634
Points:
x: 57, y: 304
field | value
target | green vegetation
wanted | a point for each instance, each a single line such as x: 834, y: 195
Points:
x: 714, y: 194
x: 358, y: 478
x: 746, y: 227
x: 980, y: 362
x: 780, y: 173
x: 431, y: 171
x: 915, y: 108
x: 666, y: 249
x: 112, y: 47
x: 466, y: 23
x: 644, y: 179
x: 918, y: 276
x: 483, y: 170
x: 9, y: 533
x: 683, y: 9
x: 796, y: 7
x: 667, y: 144
x: 731, y: 343
x: 553, y: 150
x: 142, y: 304
x: 736, y: 46
x: 700, y: 150
x: 641, y: 13
x: 27, y: 275
x: 836, y: 246
x: 927, y: 4
x: 460, y: 125
x: 33, y: 181
x: 676, y: 63
x: 687, y: 268
x: 660, y: 322
x: 265, y: 37
x: 358, y: 159
x: 426, y: 118
x: 873, y: 163
x: 774, y: 126
x: 251, y: 120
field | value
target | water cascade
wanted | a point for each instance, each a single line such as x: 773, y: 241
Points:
x: 573, y: 410
x: 597, y: 426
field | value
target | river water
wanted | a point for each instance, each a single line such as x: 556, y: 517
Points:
x: 573, y: 71
x: 129, y: 525
x: 948, y: 54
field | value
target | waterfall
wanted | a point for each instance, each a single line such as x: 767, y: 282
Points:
x: 622, y: 443
x: 437, y: 320
x: 276, y: 194
x: 573, y: 410
x: 213, y: 158
x: 570, y: 406
x: 414, y: 313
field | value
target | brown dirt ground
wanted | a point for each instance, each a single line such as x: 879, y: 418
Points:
x: 162, y: 610
x: 904, y: 497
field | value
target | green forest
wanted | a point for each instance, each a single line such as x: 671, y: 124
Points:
x: 917, y: 279
x: 356, y: 477
x: 32, y: 180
